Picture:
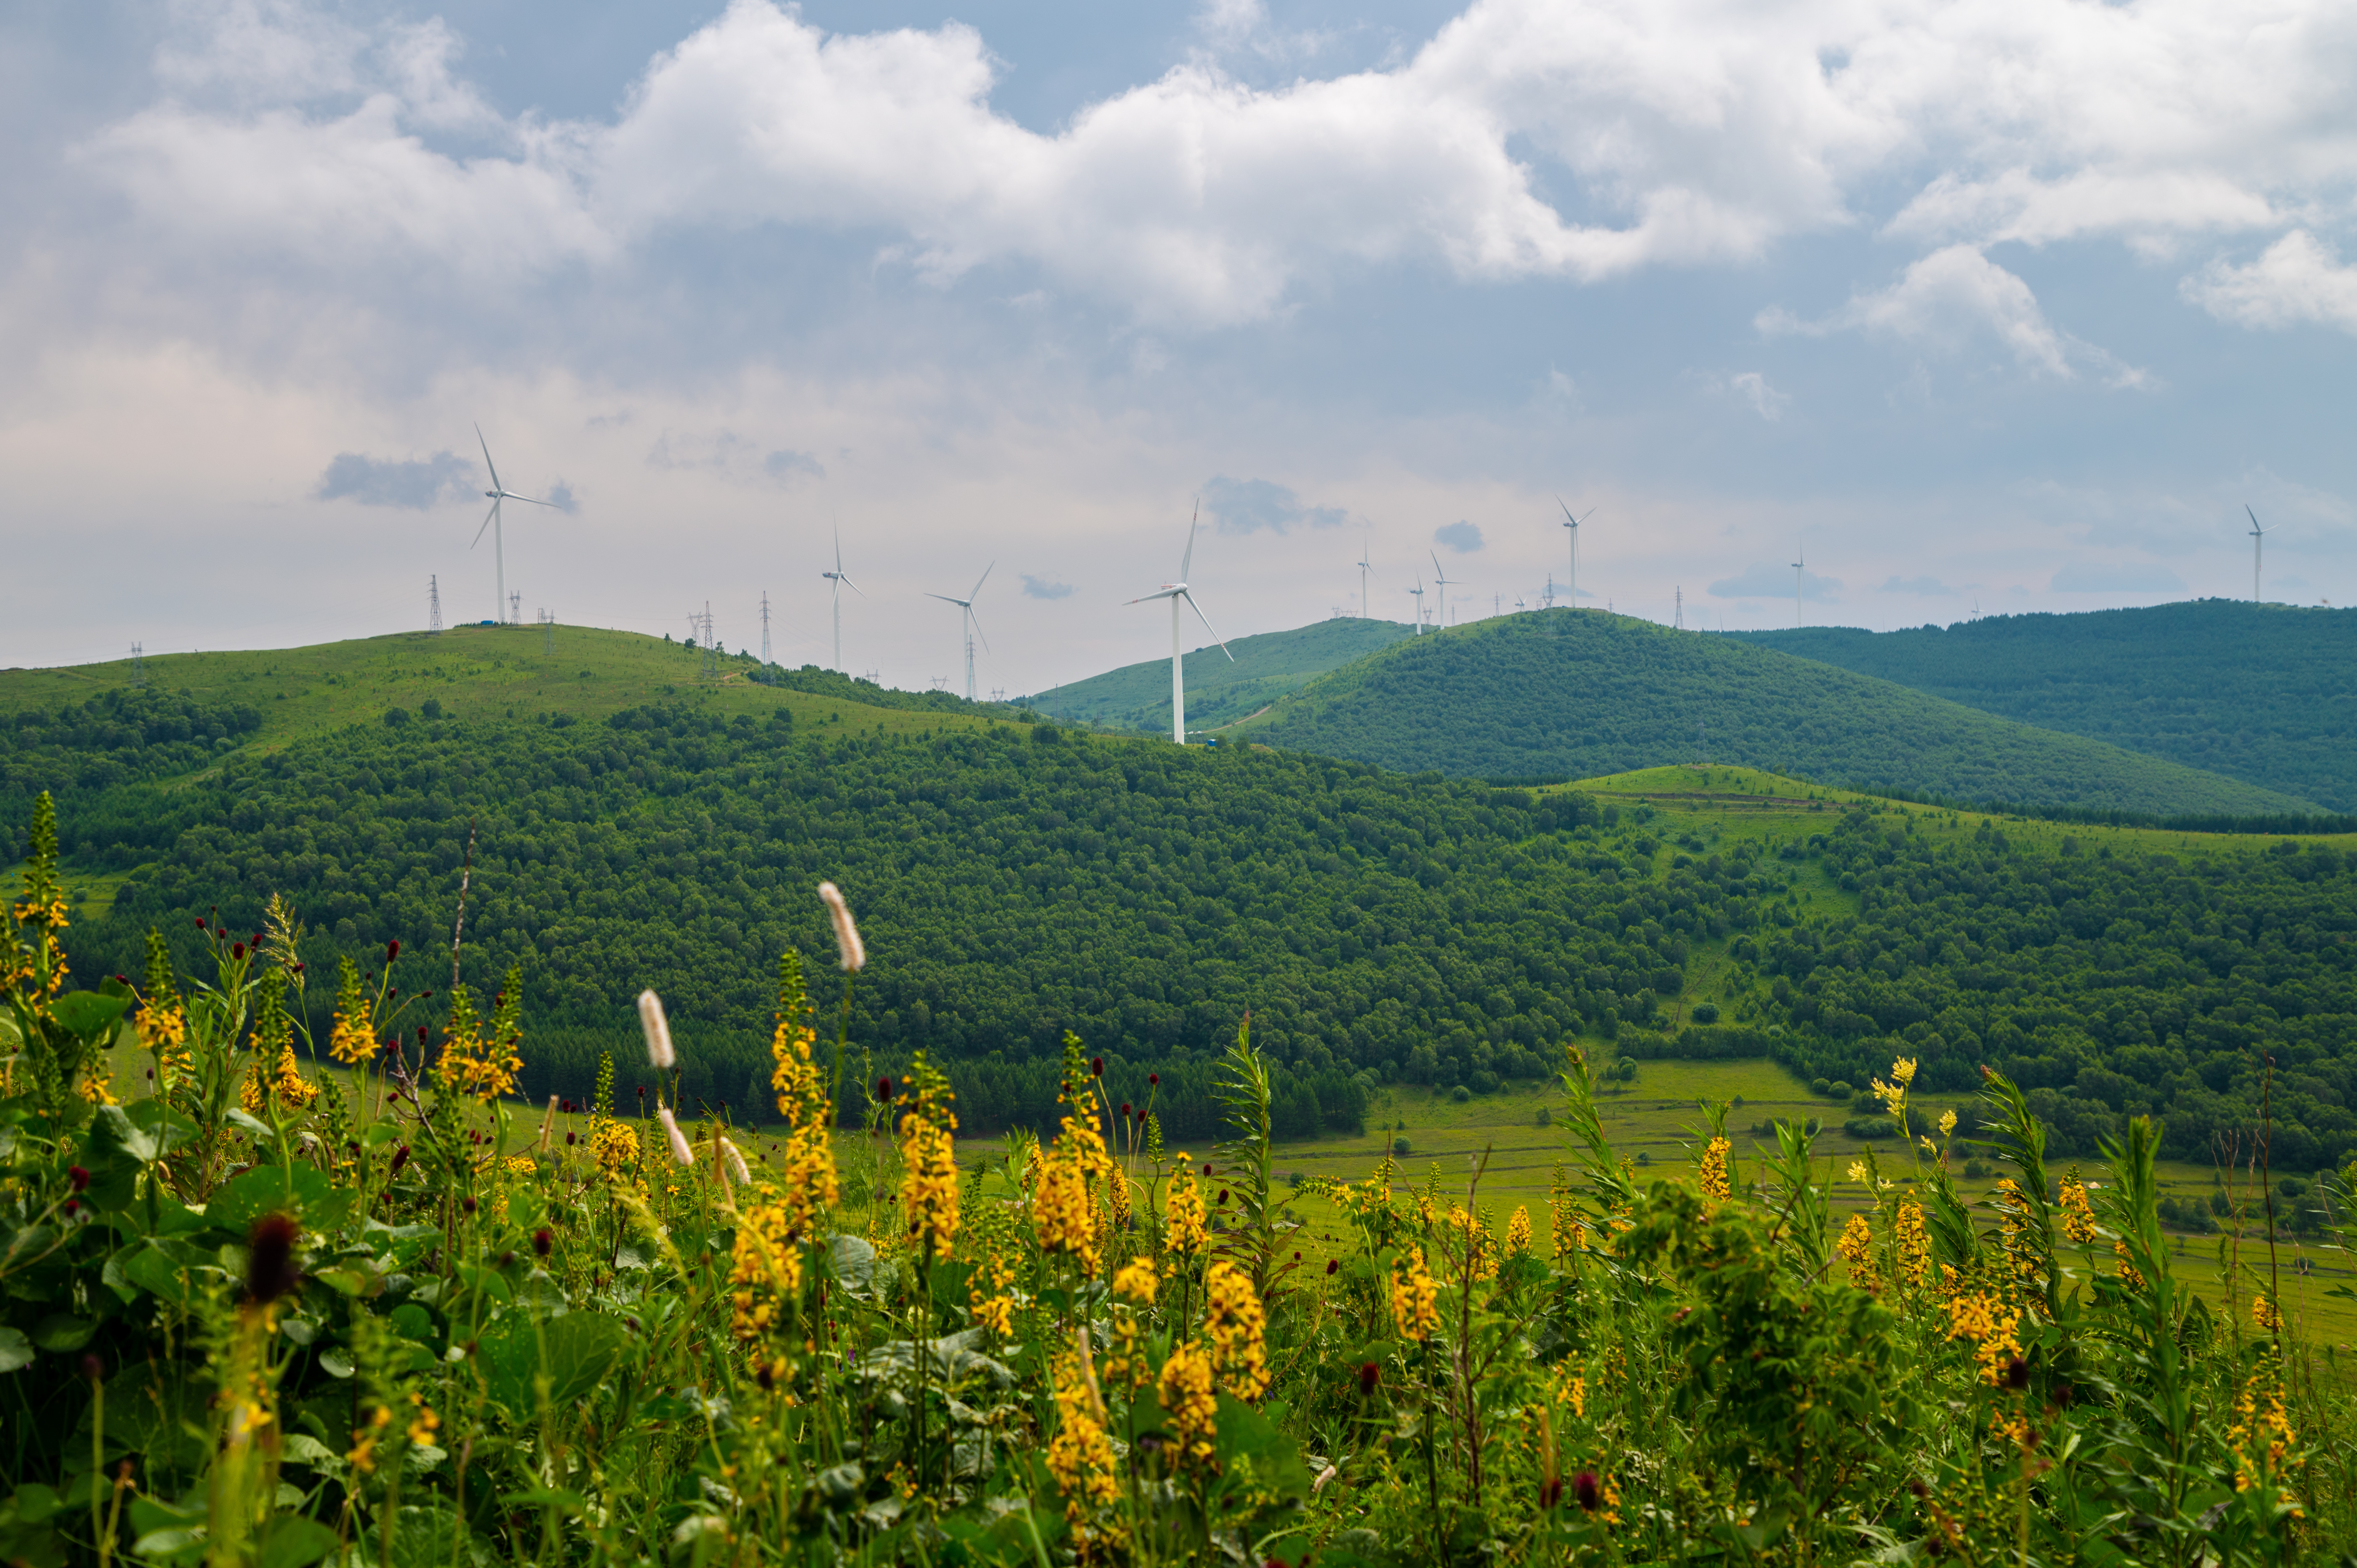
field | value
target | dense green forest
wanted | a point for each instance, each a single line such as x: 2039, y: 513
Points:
x: 1581, y: 694
x: 114, y: 739
x: 2265, y: 694
x: 1220, y: 690
x: 1014, y: 882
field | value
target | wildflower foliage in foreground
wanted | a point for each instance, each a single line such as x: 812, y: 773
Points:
x: 272, y: 1314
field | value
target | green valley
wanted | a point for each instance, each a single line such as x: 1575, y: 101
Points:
x: 1221, y: 690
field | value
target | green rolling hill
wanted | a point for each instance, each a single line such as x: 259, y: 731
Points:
x: 1219, y: 693
x: 1574, y: 694
x: 2265, y: 694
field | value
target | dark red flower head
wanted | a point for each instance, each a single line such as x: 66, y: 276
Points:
x: 79, y: 1178
x: 1550, y: 1491
x: 393, y: 949
x: 884, y: 1090
x: 1368, y: 1376
x: 200, y: 922
x: 1152, y: 1081
x: 270, y: 1259
x: 568, y: 1139
x: 543, y: 1239
x: 400, y: 1158
x: 237, y: 949
x: 1584, y: 1488
x: 1207, y: 1168
x: 2017, y: 1373
x: 1332, y: 1264
x: 421, y: 1034
x: 468, y: 1204
x: 92, y: 1368
x: 1096, y: 1067
x: 1223, y: 1198
x: 122, y: 980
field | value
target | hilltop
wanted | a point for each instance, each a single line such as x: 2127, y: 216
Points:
x: 1578, y: 694
x: 1219, y: 693
x: 2264, y: 693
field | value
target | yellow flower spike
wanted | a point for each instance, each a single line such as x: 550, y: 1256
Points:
x: 1713, y: 1176
x: 1235, y: 1325
x: 1947, y: 1123
x: 928, y: 1193
x: 1136, y: 1282
x: 1416, y: 1297
x: 1518, y: 1232
x: 1183, y: 1212
x: 1185, y: 1389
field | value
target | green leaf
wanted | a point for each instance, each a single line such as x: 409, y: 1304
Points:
x: 576, y: 1352
x: 87, y: 1013
x: 252, y: 1126
x: 168, y: 1268
x: 303, y: 1191
x: 61, y: 1334
x: 15, y: 1350
x: 853, y: 1259
x: 293, y: 1542
x: 336, y: 1361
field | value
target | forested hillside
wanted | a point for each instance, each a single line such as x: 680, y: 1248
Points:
x: 1219, y: 691
x: 2265, y: 694
x: 1569, y: 695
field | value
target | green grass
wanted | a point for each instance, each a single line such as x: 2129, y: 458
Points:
x: 474, y: 671
x: 1656, y: 1119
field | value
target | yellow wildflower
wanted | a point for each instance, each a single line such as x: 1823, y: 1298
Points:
x: 162, y: 1021
x: 425, y: 1423
x: 807, y: 1165
x: 1081, y: 1454
x: 1857, y: 1170
x: 1183, y: 1212
x: 1185, y: 1394
x: 1416, y: 1297
x: 1063, y: 1213
x: 1947, y: 1123
x: 1913, y: 1245
x: 2128, y: 1273
x: 362, y: 1455
x: 1857, y: 1248
x: 1235, y: 1325
x: 2262, y: 1418
x: 989, y: 1300
x: 1903, y: 1069
x: 1136, y: 1280
x: 1990, y: 1326
x: 1715, y: 1180
x: 2078, y: 1213
x: 928, y: 1194
x: 2267, y: 1314
x: 288, y: 1084
x: 352, y: 1039
x: 765, y: 1275
x: 1518, y: 1232
x: 614, y: 1145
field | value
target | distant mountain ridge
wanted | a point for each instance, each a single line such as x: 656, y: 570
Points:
x: 1573, y: 694
x: 1265, y: 666
x: 2264, y: 693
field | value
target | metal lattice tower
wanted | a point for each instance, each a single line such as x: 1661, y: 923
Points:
x: 765, y: 630
x: 434, y: 606
x: 515, y: 610
x: 138, y: 665
x: 547, y: 631
x: 1680, y: 621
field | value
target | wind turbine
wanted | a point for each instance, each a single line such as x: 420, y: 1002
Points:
x: 1363, y: 569
x: 1797, y: 566
x: 1418, y: 592
x: 1175, y: 592
x: 2258, y: 539
x: 497, y: 493
x: 1573, y: 523
x: 966, y: 619
x: 1445, y: 579
x: 839, y: 580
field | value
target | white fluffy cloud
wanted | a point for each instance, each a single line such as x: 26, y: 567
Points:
x: 1941, y: 301
x: 1527, y: 138
x: 2299, y: 279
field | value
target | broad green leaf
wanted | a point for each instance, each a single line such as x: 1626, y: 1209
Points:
x: 576, y: 1352
x: 61, y: 1332
x: 15, y: 1350
x: 303, y: 1191
x: 87, y: 1013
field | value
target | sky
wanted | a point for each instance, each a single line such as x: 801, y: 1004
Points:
x: 1972, y: 308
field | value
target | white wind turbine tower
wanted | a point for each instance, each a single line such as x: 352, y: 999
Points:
x: 1175, y: 592
x: 2258, y: 539
x: 1573, y: 523
x: 1363, y: 569
x: 966, y: 619
x: 1445, y: 579
x: 1797, y: 567
x: 839, y: 580
x: 497, y: 493
x: 1418, y: 593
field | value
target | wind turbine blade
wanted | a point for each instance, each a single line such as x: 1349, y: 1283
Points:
x: 1207, y: 622
x: 947, y: 600
x: 526, y: 499
x: 845, y: 580
x: 1187, y: 561
x: 1164, y: 593
x: 487, y: 524
x: 494, y: 468
x: 2254, y: 519
x: 838, y: 554
x: 975, y: 621
x: 978, y: 582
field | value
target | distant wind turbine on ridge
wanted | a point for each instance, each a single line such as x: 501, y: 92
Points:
x: 1175, y: 592
x: 2258, y: 539
x: 1573, y: 523
x: 498, y: 493
x: 838, y: 580
x: 1417, y: 593
x: 1797, y: 578
x: 1363, y: 569
x: 966, y: 619
x: 1445, y: 579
